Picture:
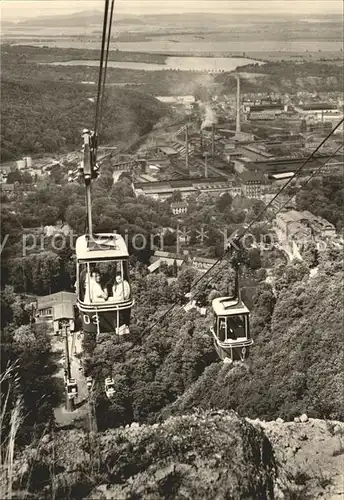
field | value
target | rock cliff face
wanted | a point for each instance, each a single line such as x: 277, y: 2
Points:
x: 214, y: 455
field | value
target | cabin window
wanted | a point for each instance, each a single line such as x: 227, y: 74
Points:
x: 103, y: 282
x: 232, y: 327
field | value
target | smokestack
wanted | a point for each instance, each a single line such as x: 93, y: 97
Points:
x: 238, y: 128
x: 177, y: 241
x: 201, y: 140
x: 213, y: 140
x: 187, y: 149
x: 206, y: 165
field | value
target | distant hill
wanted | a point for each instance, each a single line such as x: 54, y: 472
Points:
x: 84, y: 18
x: 213, y: 19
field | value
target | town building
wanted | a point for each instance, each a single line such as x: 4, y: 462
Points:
x: 51, y: 309
x: 295, y: 229
x: 252, y: 184
x: 202, y: 263
x: 179, y: 207
x: 168, y: 258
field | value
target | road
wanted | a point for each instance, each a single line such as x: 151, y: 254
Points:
x: 81, y: 410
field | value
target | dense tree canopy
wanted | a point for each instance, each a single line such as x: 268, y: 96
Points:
x: 324, y: 198
x: 63, y: 110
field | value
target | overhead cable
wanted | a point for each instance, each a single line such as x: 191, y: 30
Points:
x: 259, y: 216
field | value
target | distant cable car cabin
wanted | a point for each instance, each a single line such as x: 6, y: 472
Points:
x: 109, y: 387
x: 89, y: 382
x: 72, y: 388
x: 231, y: 329
x: 102, y: 286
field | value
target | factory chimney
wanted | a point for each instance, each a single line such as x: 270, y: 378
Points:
x: 201, y: 141
x: 238, y: 128
x: 206, y: 165
x: 213, y: 140
x: 187, y: 149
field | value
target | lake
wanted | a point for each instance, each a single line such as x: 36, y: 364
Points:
x: 207, y: 64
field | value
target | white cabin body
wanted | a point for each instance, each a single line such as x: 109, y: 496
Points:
x: 231, y: 328
x: 103, y: 284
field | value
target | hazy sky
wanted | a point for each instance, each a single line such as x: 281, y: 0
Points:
x: 15, y: 10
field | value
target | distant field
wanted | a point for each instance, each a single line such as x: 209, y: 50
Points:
x: 311, y: 49
x: 135, y: 52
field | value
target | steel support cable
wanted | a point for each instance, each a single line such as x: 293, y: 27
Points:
x: 257, y: 218
x: 101, y: 64
x: 218, y: 261
x: 166, y: 313
x: 106, y: 64
x: 310, y: 178
x: 304, y: 163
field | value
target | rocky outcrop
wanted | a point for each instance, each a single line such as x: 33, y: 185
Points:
x: 309, y: 456
x: 205, y: 455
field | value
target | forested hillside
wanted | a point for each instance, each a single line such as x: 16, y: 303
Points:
x: 169, y: 369
x: 295, y: 363
x: 48, y: 117
x: 287, y: 76
x: 324, y: 198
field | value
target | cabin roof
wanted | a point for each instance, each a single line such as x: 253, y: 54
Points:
x: 113, y: 247
x: 55, y: 299
x: 223, y: 306
x: 65, y: 310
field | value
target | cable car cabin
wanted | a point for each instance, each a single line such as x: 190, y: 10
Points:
x: 89, y: 382
x: 231, y: 330
x: 109, y: 387
x: 103, y: 287
x: 72, y: 388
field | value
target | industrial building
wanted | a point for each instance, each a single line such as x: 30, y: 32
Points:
x: 274, y: 166
x: 187, y: 187
x: 252, y: 184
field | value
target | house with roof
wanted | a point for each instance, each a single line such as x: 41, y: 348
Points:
x: 168, y: 258
x: 203, y: 263
x: 179, y: 207
x: 52, y: 309
x: 295, y: 229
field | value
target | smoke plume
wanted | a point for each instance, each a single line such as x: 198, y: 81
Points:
x: 210, y: 117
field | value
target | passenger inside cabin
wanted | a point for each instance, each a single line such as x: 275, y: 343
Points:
x: 82, y: 284
x: 94, y: 291
x: 222, y: 330
x: 120, y: 289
